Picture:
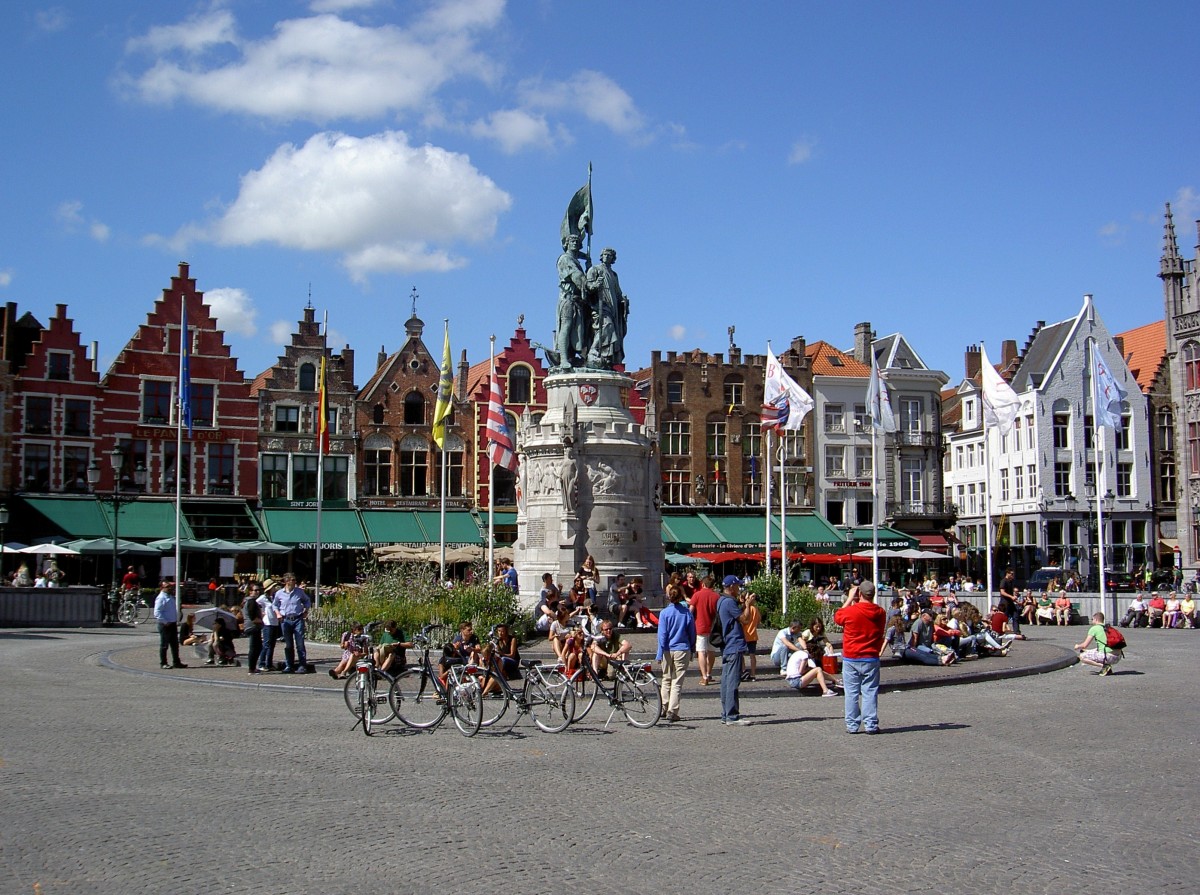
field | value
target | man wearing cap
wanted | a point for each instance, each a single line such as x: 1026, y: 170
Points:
x: 292, y: 604
x: 729, y: 617
x: 676, y: 643
x: 862, y: 624
x: 166, y: 615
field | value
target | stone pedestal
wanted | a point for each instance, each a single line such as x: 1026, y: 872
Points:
x: 589, y: 484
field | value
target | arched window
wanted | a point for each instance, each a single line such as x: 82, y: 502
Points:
x: 308, y: 378
x: 520, y: 383
x: 414, y: 409
x: 377, y: 414
x: 1191, y: 366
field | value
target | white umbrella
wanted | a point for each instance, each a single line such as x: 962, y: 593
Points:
x: 45, y: 550
x: 206, y: 617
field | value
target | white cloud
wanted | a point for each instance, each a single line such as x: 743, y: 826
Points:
x: 281, y: 333
x: 318, y: 68
x: 514, y: 130
x: 381, y: 203
x: 234, y: 310
x: 595, y: 95
x: 6, y: 277
x: 70, y: 215
x: 801, y: 152
x: 340, y: 5
x: 1186, y: 204
x: 678, y: 332
x: 52, y: 20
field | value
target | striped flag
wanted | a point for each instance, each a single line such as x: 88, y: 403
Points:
x: 499, y: 438
x: 323, y: 412
x: 445, y: 386
x: 185, y: 373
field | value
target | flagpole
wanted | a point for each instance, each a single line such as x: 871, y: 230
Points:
x: 783, y: 559
x: 442, y: 529
x: 1098, y: 474
x: 491, y: 554
x: 182, y: 396
x: 987, y: 485
x: 320, y: 431
x: 874, y: 509
x: 768, y: 456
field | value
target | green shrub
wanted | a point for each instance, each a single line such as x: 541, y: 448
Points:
x: 413, y: 595
x: 802, y: 602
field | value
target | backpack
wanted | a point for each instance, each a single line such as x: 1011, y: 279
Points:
x: 1114, y: 639
x: 716, y: 637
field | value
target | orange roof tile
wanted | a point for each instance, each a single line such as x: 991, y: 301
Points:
x: 829, y: 361
x: 1145, y: 348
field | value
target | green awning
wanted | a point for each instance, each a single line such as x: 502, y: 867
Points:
x: 76, y: 517
x: 229, y: 520
x: 813, y: 534
x: 747, y: 532
x: 339, y: 528
x: 503, y: 517
x: 689, y: 531
x: 146, y: 520
x: 888, y: 537
x: 461, y: 527
x: 392, y: 527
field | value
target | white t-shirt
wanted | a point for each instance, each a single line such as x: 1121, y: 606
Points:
x: 797, y: 664
x: 270, y: 613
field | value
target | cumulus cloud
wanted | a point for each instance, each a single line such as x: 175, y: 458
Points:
x: 6, y: 277
x: 318, y: 68
x: 514, y: 130
x: 70, y: 215
x: 1186, y: 204
x: 381, y: 203
x: 678, y: 332
x: 281, y: 333
x: 51, y: 20
x: 340, y: 5
x: 234, y: 310
x: 801, y: 152
x: 598, y: 97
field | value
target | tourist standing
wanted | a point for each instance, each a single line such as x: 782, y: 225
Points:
x: 166, y: 616
x: 862, y: 641
x: 292, y: 604
x: 729, y: 617
x: 676, y: 643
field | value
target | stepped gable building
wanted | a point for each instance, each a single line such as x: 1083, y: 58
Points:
x: 57, y: 394
x: 288, y: 396
x: 17, y: 335
x: 400, y: 463
x: 1181, y: 302
x: 522, y: 375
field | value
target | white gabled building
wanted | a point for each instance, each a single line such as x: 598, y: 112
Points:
x: 1041, y: 473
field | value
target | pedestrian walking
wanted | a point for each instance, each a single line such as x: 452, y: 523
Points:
x: 676, y: 643
x: 166, y: 616
x: 728, y: 616
x: 862, y: 640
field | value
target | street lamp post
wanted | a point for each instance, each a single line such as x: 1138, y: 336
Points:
x: 1089, y: 492
x: 117, y: 459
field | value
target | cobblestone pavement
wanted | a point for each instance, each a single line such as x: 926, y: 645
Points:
x: 118, y: 783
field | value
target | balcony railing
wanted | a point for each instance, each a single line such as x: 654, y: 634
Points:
x: 916, y: 439
x: 908, y: 509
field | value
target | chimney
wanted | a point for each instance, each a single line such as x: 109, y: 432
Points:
x: 348, y: 363
x: 381, y: 358
x: 463, y: 366
x: 60, y: 311
x: 972, y: 362
x: 1008, y: 354
x: 863, y: 337
x: 1119, y: 342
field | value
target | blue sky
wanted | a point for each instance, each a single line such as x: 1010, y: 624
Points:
x: 954, y: 171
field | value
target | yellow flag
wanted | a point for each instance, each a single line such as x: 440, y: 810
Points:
x: 445, y: 388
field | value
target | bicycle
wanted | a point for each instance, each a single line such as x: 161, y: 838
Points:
x: 545, y: 694
x: 131, y: 606
x: 635, y: 692
x: 366, y: 690
x: 430, y: 699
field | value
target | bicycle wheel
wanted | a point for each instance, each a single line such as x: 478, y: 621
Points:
x: 366, y: 701
x: 466, y: 706
x: 143, y: 613
x: 382, y: 684
x: 128, y: 612
x: 585, y: 689
x: 551, y: 708
x: 640, y: 700
x: 416, y: 699
x: 493, y: 697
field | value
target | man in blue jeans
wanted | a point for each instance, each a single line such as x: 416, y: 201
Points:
x: 292, y: 604
x: 862, y: 624
x: 729, y: 614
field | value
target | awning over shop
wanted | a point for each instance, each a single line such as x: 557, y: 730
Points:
x: 392, y: 527
x: 147, y: 520
x: 933, y: 542
x: 739, y: 531
x: 339, y: 528
x: 503, y: 517
x: 229, y: 520
x: 814, y: 534
x: 74, y: 516
x: 461, y: 527
x: 1168, y: 545
x: 688, y: 530
x: 888, y: 537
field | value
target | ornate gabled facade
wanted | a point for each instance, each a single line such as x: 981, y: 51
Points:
x: 288, y: 396
x: 1181, y: 303
x: 399, y: 461
x: 55, y: 414
x: 138, y: 397
x: 843, y: 475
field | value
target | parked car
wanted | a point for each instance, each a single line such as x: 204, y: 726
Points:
x: 1041, y: 579
x: 1120, y: 582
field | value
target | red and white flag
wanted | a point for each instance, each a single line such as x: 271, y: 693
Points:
x: 500, y: 445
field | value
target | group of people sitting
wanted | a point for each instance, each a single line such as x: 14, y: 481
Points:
x: 935, y: 636
x: 624, y: 601
x: 1161, y: 611
x: 800, y: 652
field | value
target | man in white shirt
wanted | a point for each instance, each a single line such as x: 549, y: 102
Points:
x: 166, y: 615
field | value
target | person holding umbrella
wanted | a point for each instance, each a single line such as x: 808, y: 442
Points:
x: 166, y: 616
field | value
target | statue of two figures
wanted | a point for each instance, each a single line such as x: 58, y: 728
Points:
x: 592, y: 310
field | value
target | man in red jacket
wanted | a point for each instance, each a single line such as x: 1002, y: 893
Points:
x: 862, y: 624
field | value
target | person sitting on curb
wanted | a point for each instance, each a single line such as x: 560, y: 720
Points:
x: 610, y: 647
x: 390, y: 654
x: 221, y: 650
x: 801, y: 671
x: 786, y: 642
x: 921, y: 647
x: 1099, y: 656
x: 354, y: 647
x: 1156, y: 610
